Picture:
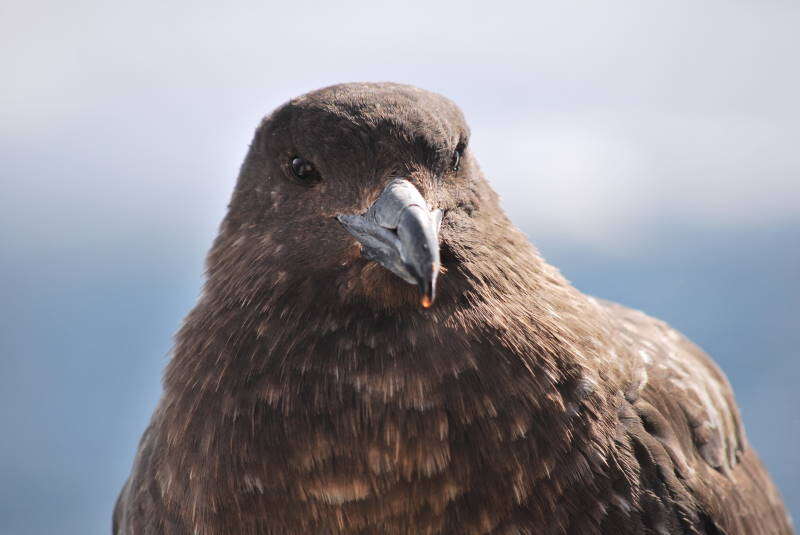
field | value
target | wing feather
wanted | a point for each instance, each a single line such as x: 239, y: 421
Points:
x: 688, y: 414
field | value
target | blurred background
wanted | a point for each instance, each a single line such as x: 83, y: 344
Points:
x: 650, y: 150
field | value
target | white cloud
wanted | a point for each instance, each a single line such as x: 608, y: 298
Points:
x: 611, y: 178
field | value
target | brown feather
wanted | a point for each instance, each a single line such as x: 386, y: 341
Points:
x: 310, y: 393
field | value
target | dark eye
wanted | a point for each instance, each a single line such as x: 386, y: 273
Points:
x: 459, y: 152
x: 304, y: 170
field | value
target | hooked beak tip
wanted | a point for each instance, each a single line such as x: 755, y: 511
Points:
x: 427, y: 290
x: 426, y: 301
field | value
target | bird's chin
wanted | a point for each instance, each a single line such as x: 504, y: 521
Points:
x: 378, y: 287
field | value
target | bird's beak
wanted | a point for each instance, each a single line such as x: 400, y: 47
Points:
x: 400, y: 232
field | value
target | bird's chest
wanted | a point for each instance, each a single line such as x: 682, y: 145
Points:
x: 409, y: 449
x: 369, y: 469
x: 409, y: 438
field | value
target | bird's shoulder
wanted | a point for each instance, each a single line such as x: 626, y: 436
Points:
x: 141, y: 506
x: 681, y: 383
x: 679, y: 416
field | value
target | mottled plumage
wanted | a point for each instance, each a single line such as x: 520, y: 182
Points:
x: 310, y: 393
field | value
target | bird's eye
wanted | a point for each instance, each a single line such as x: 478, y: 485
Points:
x: 304, y: 170
x: 459, y: 152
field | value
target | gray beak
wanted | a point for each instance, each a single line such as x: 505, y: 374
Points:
x: 401, y: 233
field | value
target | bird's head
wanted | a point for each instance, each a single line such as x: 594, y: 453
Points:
x: 356, y: 189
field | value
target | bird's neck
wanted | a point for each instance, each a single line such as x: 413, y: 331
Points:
x: 513, y: 321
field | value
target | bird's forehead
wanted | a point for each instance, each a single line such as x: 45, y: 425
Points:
x: 389, y: 107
